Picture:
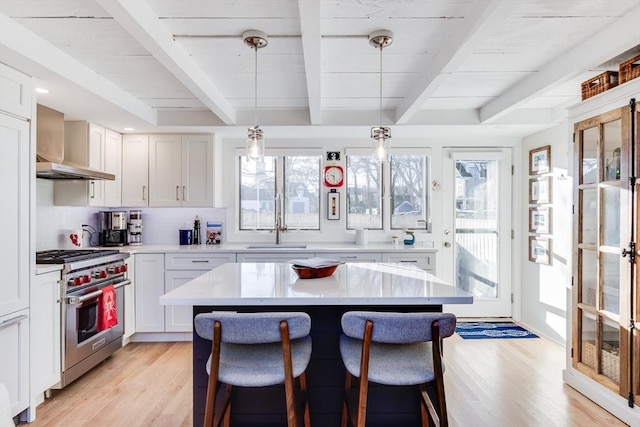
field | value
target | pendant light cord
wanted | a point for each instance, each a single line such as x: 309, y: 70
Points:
x: 380, y: 106
x: 255, y: 88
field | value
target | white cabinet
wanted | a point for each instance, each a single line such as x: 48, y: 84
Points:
x: 14, y: 358
x: 149, y: 279
x: 16, y: 175
x: 273, y: 256
x: 14, y: 224
x: 153, y: 281
x: 181, y: 268
x: 135, y: 170
x: 425, y: 261
x: 92, y: 146
x: 45, y: 323
x: 130, y: 301
x: 181, y: 170
x: 353, y: 257
x: 113, y: 165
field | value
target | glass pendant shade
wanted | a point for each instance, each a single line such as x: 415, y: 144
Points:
x: 380, y: 137
x: 255, y: 143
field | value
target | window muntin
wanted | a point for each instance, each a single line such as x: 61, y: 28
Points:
x: 409, y: 197
x: 295, y: 177
x: 364, y: 192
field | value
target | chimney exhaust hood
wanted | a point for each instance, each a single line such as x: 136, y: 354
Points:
x: 50, y: 170
x: 50, y: 162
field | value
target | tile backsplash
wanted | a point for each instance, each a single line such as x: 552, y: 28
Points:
x: 160, y: 225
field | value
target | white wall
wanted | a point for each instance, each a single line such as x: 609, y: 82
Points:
x: 544, y: 287
x: 160, y: 225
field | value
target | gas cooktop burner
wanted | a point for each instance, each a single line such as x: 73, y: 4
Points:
x: 65, y: 256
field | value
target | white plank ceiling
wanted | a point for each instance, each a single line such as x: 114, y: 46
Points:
x: 162, y: 65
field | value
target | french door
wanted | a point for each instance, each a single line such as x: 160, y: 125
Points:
x: 477, y: 243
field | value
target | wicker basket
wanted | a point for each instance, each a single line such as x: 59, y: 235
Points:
x: 599, y: 84
x: 630, y: 69
x: 610, y: 362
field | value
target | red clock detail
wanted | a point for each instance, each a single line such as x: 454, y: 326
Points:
x: 333, y: 176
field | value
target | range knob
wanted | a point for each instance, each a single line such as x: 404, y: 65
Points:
x: 86, y: 279
x: 124, y: 268
x: 111, y: 270
x: 76, y: 281
x: 103, y: 274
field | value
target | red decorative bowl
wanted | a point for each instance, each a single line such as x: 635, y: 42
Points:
x: 313, y: 273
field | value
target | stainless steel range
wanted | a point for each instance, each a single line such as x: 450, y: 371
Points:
x: 84, y: 274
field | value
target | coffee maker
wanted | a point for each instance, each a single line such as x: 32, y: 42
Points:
x: 135, y: 227
x: 113, y: 228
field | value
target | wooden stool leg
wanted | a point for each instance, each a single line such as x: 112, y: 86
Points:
x: 305, y: 396
x: 345, y: 409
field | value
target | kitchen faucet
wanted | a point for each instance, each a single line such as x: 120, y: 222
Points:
x: 279, y: 227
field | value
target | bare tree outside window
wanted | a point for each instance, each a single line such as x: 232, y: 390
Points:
x: 409, y: 198
x: 364, y: 192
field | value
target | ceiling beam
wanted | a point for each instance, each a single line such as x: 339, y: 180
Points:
x: 482, y: 20
x: 615, y: 39
x: 43, y: 58
x: 143, y: 24
x: 311, y: 50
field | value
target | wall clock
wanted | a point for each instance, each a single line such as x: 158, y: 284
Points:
x: 333, y: 176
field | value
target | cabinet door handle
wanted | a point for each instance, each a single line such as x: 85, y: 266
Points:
x: 144, y: 192
x: 13, y: 321
x: 177, y: 190
x: 93, y: 189
x: 184, y: 188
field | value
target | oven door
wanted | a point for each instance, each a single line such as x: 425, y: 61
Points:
x: 81, y: 331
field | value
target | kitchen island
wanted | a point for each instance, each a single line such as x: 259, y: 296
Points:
x: 252, y: 287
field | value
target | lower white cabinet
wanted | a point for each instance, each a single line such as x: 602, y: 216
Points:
x: 273, y: 257
x: 425, y: 261
x: 149, y: 279
x: 14, y: 358
x: 45, y: 341
x: 130, y: 301
x: 353, y: 257
x: 157, y: 274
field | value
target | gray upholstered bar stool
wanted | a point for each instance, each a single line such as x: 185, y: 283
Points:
x: 256, y: 350
x: 394, y: 349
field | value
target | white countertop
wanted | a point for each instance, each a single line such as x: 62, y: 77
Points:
x: 254, y: 284
x: 259, y: 247
x: 48, y: 268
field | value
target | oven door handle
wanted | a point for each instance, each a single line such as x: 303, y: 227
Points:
x: 83, y: 298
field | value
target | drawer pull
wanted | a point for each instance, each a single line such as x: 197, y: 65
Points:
x: 409, y: 260
x: 200, y: 261
x: 13, y: 321
x: 348, y: 257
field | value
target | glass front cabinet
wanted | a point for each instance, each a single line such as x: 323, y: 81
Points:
x: 606, y: 298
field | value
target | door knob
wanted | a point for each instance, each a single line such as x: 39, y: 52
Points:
x: 447, y: 244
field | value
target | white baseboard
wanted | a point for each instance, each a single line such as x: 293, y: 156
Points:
x: 161, y: 336
x: 603, y: 397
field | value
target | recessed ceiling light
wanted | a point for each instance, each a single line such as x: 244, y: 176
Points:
x: 129, y: 129
x: 42, y: 90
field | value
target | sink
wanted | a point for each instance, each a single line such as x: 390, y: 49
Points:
x: 277, y: 246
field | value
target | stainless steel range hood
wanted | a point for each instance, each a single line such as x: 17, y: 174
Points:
x: 62, y: 171
x: 50, y: 163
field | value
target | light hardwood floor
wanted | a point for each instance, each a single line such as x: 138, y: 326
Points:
x: 492, y: 382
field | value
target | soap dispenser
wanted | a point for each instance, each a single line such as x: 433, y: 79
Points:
x: 409, y: 241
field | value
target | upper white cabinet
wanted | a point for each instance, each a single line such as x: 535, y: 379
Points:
x: 135, y: 170
x: 113, y: 165
x: 93, y: 146
x: 16, y: 92
x: 181, y: 170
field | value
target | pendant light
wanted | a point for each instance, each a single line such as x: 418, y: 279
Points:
x: 255, y: 140
x: 380, y: 135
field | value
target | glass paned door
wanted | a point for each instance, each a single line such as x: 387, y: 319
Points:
x: 478, y: 234
x: 597, y: 291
